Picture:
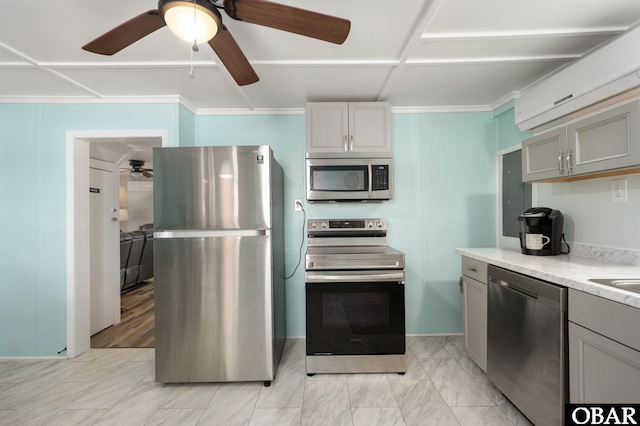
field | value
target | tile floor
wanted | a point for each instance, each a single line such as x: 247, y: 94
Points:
x: 116, y: 387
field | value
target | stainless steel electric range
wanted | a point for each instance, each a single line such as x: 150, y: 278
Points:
x: 355, y: 303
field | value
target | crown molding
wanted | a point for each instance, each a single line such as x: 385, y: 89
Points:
x: 92, y: 100
x: 256, y: 111
x: 440, y: 109
x: 238, y: 111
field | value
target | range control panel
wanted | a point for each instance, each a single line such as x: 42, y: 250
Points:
x: 320, y: 226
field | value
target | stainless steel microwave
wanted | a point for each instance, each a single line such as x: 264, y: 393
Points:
x: 349, y: 179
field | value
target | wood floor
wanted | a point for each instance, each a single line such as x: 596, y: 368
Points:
x: 136, y: 327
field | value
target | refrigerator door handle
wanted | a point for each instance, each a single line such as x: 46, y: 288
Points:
x: 212, y: 233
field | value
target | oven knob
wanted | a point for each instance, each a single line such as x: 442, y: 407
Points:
x: 314, y: 225
x: 369, y: 224
x: 379, y: 224
x: 324, y: 225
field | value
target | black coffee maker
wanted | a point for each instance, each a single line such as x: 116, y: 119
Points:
x: 541, y: 231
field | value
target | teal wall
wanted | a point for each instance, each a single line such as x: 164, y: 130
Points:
x: 19, y: 178
x: 444, y: 198
x: 33, y: 311
x: 458, y: 193
x: 187, y: 123
x: 508, y: 133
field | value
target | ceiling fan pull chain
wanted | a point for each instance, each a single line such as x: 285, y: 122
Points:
x: 191, y: 73
x: 194, y: 48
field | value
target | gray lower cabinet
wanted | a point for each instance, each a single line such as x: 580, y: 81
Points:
x: 603, y: 141
x: 474, y: 291
x: 604, y: 350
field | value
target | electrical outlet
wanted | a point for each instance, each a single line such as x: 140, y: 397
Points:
x: 619, y: 190
x: 297, y: 205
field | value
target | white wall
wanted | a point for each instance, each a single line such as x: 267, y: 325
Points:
x: 139, y: 205
x: 591, y: 217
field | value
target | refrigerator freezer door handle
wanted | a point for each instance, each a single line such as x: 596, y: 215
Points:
x: 212, y: 233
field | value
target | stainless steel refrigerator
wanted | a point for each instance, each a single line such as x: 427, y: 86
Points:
x: 218, y: 264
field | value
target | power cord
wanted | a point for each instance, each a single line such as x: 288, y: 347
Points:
x: 304, y: 221
x: 567, y: 244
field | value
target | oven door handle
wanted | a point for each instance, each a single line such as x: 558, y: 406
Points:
x: 382, y: 276
x: 352, y: 264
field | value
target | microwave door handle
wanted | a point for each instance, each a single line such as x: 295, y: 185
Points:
x: 370, y: 181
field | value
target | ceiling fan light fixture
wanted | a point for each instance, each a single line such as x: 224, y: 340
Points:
x: 190, y: 21
x: 136, y: 173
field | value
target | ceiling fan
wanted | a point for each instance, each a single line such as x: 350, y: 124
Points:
x: 182, y: 16
x: 137, y: 169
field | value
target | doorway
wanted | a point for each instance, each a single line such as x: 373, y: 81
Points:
x: 78, y: 146
x: 136, y: 326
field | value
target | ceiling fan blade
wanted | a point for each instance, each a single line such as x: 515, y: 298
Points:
x: 146, y: 173
x: 232, y: 57
x: 289, y: 18
x: 126, y: 34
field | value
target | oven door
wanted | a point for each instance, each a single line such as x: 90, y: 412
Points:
x: 355, y: 313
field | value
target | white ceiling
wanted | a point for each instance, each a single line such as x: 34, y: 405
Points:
x: 120, y: 150
x: 457, y: 54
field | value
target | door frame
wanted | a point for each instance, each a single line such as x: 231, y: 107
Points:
x: 77, y: 227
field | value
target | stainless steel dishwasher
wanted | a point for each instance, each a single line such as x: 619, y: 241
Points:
x: 527, y: 344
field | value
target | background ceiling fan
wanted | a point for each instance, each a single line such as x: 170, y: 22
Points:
x: 199, y: 21
x: 137, y: 169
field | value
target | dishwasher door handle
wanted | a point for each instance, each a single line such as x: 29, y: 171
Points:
x: 517, y: 290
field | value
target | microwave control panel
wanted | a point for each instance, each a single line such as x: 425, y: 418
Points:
x: 380, y: 181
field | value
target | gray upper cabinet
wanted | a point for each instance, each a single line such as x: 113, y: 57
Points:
x: 604, y: 141
x: 543, y: 155
x: 609, y: 140
x: 339, y: 129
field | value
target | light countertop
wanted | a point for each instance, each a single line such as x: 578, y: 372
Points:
x: 565, y: 270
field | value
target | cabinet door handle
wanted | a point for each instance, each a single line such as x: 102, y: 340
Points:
x: 351, y: 144
x: 569, y: 156
x: 560, y: 163
x: 461, y: 290
x: 472, y: 269
x: 346, y: 147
